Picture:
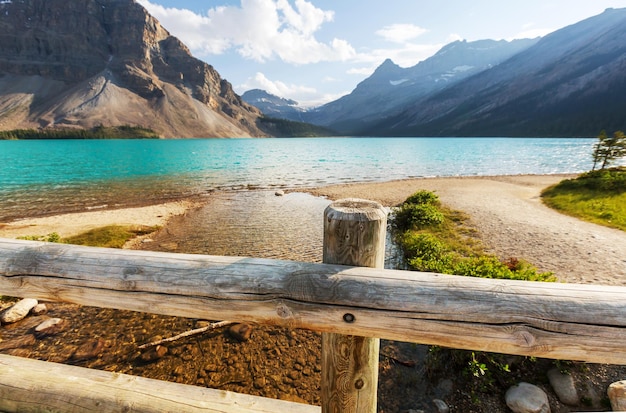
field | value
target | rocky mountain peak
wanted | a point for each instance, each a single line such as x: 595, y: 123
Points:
x: 118, y: 48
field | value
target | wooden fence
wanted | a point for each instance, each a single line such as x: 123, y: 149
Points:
x: 352, y: 306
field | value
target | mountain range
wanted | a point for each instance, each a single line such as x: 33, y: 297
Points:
x: 81, y: 64
x: 569, y: 83
x: 89, y: 63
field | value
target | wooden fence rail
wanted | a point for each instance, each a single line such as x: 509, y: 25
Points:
x: 552, y: 320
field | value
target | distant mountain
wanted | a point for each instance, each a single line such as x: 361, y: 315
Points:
x: 570, y: 83
x: 390, y: 88
x: 86, y: 63
x: 272, y: 105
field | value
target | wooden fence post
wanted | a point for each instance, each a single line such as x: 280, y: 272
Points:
x: 354, y: 234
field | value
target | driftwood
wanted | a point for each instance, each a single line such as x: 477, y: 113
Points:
x: 193, y: 332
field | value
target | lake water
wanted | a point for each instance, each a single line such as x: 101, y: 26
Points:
x: 41, y: 176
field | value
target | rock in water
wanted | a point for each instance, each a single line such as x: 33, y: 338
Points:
x: 241, y: 332
x: 18, y: 311
x: 51, y: 326
x: 39, y: 309
x: 89, y: 350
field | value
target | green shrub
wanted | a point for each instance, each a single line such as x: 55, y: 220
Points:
x: 425, y: 252
x: 52, y: 237
x: 417, y: 216
x: 423, y: 197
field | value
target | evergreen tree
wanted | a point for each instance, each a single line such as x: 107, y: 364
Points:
x: 609, y: 149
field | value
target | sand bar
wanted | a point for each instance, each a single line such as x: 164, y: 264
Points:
x: 67, y: 225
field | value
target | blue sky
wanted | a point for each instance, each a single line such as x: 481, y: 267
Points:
x: 315, y: 51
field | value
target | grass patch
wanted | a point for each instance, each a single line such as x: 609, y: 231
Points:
x: 596, y: 196
x: 112, y: 236
x: 437, y: 239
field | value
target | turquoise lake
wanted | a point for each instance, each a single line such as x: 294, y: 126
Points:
x: 41, y: 176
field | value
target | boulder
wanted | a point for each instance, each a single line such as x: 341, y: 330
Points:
x: 564, y: 387
x: 617, y: 395
x: 18, y: 311
x: 527, y: 398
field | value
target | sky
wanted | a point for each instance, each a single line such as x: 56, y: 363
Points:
x: 315, y: 51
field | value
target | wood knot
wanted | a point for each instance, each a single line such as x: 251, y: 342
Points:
x: 283, y: 311
x: 349, y: 318
x: 359, y: 384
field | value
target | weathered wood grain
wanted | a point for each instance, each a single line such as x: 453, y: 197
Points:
x: 354, y: 234
x: 37, y: 386
x: 563, y: 321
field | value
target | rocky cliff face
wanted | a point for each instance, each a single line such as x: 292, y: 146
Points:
x: 89, y: 62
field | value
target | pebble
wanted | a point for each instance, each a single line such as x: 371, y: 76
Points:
x: 18, y: 311
x: 154, y: 353
x: 279, y: 193
x: 442, y: 407
x: 260, y: 382
x: 39, y: 309
x: 51, y: 327
x: 241, y: 332
x: 527, y: 398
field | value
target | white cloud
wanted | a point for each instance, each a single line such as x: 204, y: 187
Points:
x: 260, y: 30
x: 401, y: 33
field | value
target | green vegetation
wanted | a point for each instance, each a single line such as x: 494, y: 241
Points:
x: 287, y: 128
x: 112, y: 236
x: 598, y: 196
x: 608, y: 149
x: 435, y: 238
x: 99, y: 132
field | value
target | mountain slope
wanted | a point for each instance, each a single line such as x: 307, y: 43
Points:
x: 391, y: 87
x: 91, y: 62
x: 571, y: 83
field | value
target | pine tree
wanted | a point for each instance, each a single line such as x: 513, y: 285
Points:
x: 608, y: 149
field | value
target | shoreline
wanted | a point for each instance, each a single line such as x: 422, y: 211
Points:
x: 505, y: 210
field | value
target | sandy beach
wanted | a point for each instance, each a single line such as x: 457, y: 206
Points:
x: 67, y: 225
x: 506, y: 210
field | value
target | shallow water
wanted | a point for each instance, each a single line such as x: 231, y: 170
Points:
x: 255, y: 224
